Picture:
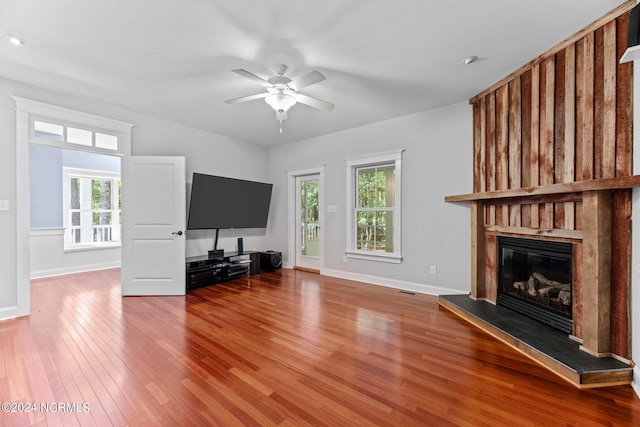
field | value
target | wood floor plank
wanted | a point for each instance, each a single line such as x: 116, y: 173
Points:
x: 287, y: 348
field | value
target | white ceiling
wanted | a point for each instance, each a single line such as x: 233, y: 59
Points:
x: 382, y: 59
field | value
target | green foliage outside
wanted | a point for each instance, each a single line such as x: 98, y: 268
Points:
x: 375, y: 197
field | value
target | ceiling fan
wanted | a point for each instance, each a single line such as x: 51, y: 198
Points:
x: 282, y: 92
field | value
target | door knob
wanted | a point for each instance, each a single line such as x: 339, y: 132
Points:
x: 179, y: 233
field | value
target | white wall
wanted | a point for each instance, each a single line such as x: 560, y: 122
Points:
x: 205, y: 152
x: 47, y: 256
x: 437, y: 162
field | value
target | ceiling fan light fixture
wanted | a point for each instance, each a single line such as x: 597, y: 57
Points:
x: 280, y: 101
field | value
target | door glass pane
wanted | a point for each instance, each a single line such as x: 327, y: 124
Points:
x: 310, y: 244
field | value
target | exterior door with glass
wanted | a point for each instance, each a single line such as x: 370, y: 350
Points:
x: 308, y: 245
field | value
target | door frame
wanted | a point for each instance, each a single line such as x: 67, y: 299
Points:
x: 25, y: 110
x: 292, y: 174
x: 305, y: 262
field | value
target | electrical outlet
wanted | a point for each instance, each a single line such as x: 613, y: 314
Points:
x: 433, y: 270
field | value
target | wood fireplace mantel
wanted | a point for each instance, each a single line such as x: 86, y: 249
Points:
x: 596, y: 240
x: 570, y: 188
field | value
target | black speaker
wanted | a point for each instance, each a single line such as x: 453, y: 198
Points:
x: 255, y: 263
x: 240, y: 245
x: 270, y: 260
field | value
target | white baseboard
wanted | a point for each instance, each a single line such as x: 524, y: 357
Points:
x: 391, y: 283
x: 71, y: 270
x: 7, y: 313
x: 635, y: 384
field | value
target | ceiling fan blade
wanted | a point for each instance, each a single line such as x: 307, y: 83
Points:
x: 314, y: 102
x: 252, y: 76
x: 306, y: 80
x: 247, y: 98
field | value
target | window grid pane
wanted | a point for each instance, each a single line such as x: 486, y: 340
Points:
x: 79, y: 136
x: 373, y: 230
x: 48, y: 130
x: 92, y: 217
x: 375, y: 202
x: 109, y: 142
x: 375, y: 187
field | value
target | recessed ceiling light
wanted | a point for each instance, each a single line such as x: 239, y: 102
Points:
x: 15, y: 40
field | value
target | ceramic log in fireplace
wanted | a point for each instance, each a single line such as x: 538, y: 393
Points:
x: 535, y: 280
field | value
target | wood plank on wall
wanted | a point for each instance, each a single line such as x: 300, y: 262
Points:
x: 502, y: 149
x: 559, y: 129
x: 515, y: 147
x: 624, y: 104
x: 491, y: 152
x: 525, y: 112
x: 477, y: 143
x: 569, y: 130
x: 585, y: 109
x: 621, y: 272
x: 535, y: 140
x: 547, y: 126
x: 610, y: 88
x: 483, y: 146
x: 598, y: 101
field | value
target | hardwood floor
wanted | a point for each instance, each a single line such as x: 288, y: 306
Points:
x: 288, y: 348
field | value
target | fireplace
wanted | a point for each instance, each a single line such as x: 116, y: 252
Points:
x: 534, y: 279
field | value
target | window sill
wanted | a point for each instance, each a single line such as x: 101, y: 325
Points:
x: 80, y: 248
x: 375, y: 256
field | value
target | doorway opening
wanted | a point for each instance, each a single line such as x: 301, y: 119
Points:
x: 54, y: 126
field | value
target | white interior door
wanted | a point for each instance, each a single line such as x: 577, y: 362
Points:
x: 308, y: 222
x: 153, y: 224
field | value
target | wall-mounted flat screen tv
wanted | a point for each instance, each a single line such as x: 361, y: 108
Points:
x: 218, y: 203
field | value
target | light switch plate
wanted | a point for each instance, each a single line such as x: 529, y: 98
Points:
x: 4, y: 205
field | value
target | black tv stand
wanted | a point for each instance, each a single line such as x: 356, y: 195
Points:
x: 207, y: 270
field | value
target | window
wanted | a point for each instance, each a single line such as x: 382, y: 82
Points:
x: 64, y: 136
x: 374, y: 200
x: 92, y: 208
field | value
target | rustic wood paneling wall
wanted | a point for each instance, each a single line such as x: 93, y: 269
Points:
x: 565, y: 117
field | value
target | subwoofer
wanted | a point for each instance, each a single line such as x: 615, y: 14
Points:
x: 270, y: 260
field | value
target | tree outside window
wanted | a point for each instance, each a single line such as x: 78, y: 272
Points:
x: 93, y: 209
x: 375, y: 208
x: 374, y: 189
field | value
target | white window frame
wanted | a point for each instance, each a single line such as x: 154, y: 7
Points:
x: 70, y: 172
x: 352, y: 165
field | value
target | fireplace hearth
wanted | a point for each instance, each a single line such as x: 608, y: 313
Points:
x: 535, y: 279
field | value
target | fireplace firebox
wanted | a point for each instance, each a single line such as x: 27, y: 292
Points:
x: 535, y: 279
